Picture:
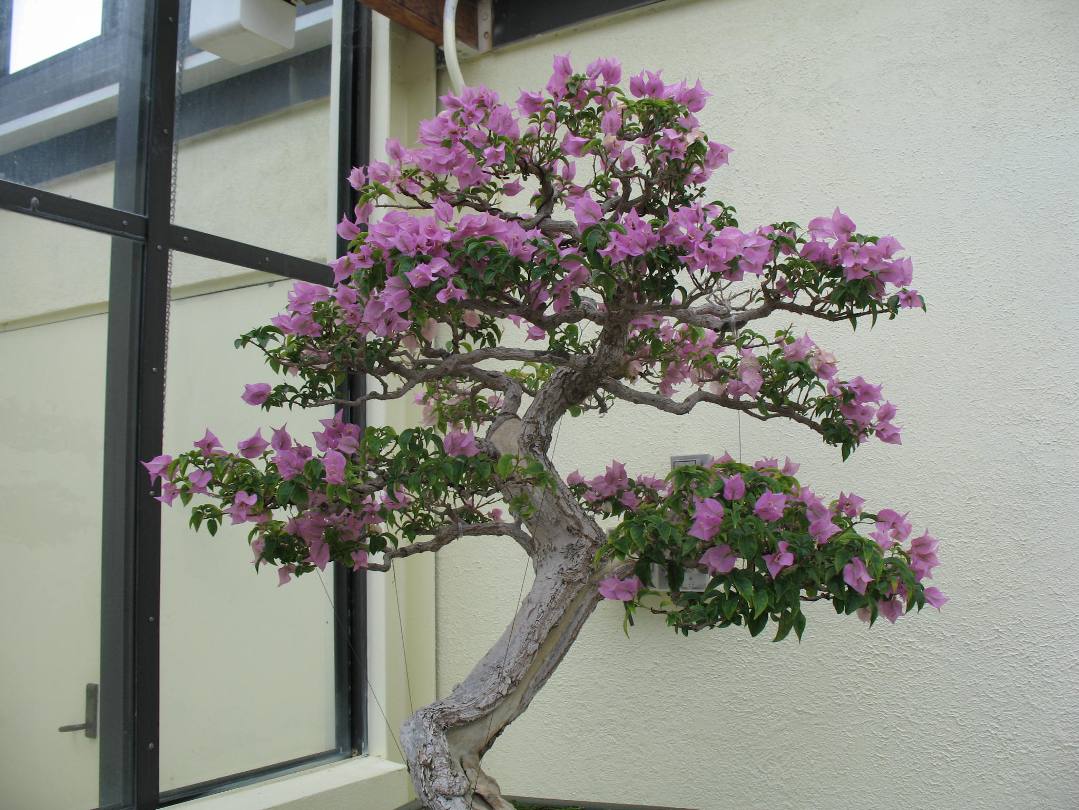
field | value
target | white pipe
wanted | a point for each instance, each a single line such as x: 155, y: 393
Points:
x: 449, y: 45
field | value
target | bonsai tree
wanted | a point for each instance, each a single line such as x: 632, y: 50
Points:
x: 577, y: 219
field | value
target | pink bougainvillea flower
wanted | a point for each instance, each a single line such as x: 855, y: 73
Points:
x: 734, y: 488
x: 256, y: 393
x: 290, y: 462
x: 891, y: 609
x: 850, y: 505
x: 459, y: 443
x: 242, y: 503
x: 718, y: 559
x: 254, y: 446
x: 935, y: 598
x: 347, y: 229
x: 421, y: 275
x: 586, y: 211
x: 169, y: 491
x: 770, y: 506
x: 530, y: 103
x: 156, y: 466
x: 284, y: 574
x: 622, y: 590
x: 359, y: 560
x: 856, y: 575
x: 607, y: 68
x: 613, y: 480
x: 280, y: 439
x: 780, y: 559
x: 909, y: 299
x: 208, y: 444
x: 318, y: 554
x: 888, y: 433
x: 800, y: 349
x: 822, y: 529
x: 923, y: 555
x: 334, y: 462
x: 357, y: 177
x: 837, y: 226
x: 707, y: 517
x: 199, y: 479
x: 450, y: 293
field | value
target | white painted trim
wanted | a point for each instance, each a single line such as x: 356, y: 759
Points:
x: 370, y: 782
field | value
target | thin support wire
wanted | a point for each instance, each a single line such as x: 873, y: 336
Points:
x: 356, y: 658
x: 401, y: 627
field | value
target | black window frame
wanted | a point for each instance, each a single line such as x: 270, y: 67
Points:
x: 134, y: 407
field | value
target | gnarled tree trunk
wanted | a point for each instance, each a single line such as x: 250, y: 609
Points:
x: 445, y: 741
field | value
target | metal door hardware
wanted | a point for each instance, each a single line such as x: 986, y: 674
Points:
x: 90, y: 726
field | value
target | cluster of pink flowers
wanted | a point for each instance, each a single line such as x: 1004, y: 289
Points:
x: 831, y: 243
x: 793, y: 509
x: 863, y: 409
x: 350, y: 525
x: 614, y: 486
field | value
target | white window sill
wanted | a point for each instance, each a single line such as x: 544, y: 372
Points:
x: 369, y: 782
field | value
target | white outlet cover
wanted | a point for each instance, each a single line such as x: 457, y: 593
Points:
x: 243, y: 31
x: 694, y: 581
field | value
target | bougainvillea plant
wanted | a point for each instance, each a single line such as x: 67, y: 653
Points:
x: 577, y: 217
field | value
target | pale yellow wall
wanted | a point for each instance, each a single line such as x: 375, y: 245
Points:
x: 52, y: 417
x: 953, y: 126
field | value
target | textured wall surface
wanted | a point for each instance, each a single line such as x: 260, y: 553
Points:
x: 953, y: 126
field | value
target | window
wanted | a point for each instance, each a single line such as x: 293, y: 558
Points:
x: 88, y: 120
x: 44, y: 28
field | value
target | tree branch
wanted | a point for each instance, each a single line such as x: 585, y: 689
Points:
x: 445, y: 535
x: 625, y: 392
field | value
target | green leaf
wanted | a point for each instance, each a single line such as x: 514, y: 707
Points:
x: 785, y: 625
x: 799, y: 624
x: 756, y: 624
x: 505, y: 465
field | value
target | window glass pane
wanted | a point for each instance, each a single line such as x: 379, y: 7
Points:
x: 247, y: 668
x: 44, y: 28
x: 52, y: 397
x: 69, y: 116
x: 254, y: 159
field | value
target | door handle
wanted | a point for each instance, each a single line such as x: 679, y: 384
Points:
x: 90, y: 725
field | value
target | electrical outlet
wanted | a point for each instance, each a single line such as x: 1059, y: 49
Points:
x: 693, y: 581
x: 687, y: 460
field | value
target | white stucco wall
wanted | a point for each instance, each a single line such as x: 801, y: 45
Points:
x: 953, y: 126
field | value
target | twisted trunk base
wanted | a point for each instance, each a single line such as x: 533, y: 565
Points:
x: 445, y: 741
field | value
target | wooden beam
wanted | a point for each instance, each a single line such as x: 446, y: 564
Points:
x: 425, y: 18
